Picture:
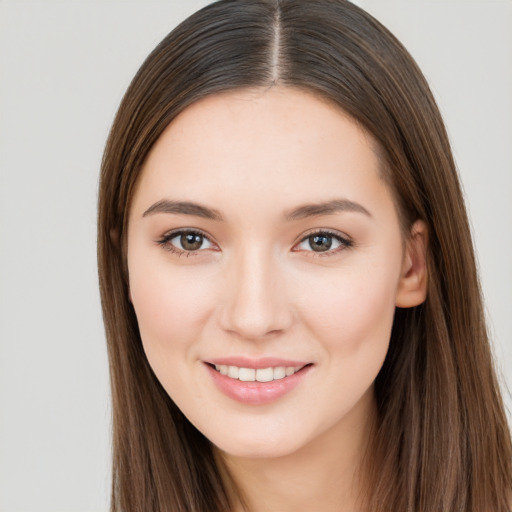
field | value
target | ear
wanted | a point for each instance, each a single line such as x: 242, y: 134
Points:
x: 412, y: 287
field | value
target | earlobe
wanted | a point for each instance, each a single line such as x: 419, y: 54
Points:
x: 412, y: 288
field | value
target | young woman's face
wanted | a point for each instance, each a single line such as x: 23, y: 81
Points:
x: 263, y: 243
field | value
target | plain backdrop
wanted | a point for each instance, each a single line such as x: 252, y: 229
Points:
x: 64, y: 66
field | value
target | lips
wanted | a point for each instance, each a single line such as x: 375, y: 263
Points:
x: 256, y: 382
x: 262, y: 362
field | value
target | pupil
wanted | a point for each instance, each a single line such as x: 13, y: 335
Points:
x: 320, y: 243
x: 191, y: 241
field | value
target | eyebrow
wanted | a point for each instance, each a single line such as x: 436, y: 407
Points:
x: 326, y: 208
x: 301, y: 212
x: 183, y: 208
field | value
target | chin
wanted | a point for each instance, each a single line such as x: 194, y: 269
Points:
x: 259, y: 442
x: 256, y: 449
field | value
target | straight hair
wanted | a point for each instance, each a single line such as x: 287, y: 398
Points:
x: 442, y: 441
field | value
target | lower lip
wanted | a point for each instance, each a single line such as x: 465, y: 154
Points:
x: 256, y: 393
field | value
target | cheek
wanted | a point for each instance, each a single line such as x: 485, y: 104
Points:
x: 171, y: 308
x: 351, y: 320
x: 353, y: 313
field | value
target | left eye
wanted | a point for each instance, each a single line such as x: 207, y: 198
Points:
x: 322, y: 242
x: 188, y: 241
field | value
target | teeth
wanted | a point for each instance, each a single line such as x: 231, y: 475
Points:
x: 264, y: 374
x: 233, y: 372
x: 280, y: 372
x: 247, y: 374
x: 259, y: 375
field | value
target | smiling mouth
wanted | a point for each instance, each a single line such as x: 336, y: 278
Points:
x: 257, y: 375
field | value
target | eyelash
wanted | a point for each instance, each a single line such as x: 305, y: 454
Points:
x: 165, y: 241
x: 345, y: 242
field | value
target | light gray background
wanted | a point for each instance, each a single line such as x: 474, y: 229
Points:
x: 64, y: 66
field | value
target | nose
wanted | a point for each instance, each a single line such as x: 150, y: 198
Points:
x: 255, y: 304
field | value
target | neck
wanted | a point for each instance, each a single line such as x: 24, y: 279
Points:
x: 325, y: 475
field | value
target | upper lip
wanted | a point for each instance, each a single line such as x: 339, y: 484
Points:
x: 256, y: 363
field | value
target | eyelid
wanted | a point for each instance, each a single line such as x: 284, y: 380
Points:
x: 164, y: 241
x: 345, y: 241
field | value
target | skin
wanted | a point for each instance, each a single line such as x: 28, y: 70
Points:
x: 255, y: 287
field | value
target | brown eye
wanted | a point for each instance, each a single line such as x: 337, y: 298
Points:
x: 191, y: 241
x: 185, y: 242
x: 323, y: 242
x: 320, y: 243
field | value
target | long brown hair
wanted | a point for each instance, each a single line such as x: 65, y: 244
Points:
x: 442, y: 442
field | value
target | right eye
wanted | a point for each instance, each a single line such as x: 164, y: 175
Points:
x: 185, y: 242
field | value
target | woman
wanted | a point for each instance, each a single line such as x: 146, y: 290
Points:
x: 289, y: 288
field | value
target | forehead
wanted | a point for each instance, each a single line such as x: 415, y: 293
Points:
x: 271, y: 147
